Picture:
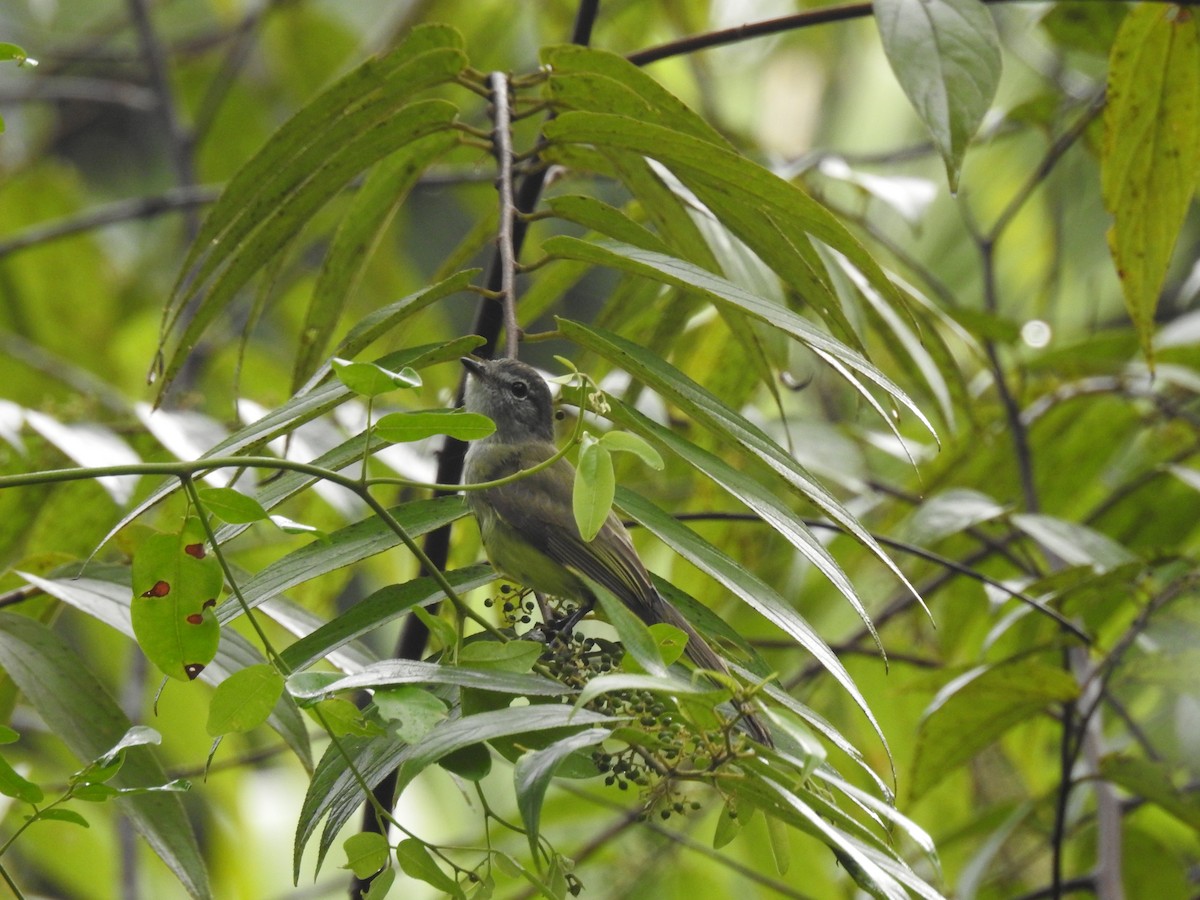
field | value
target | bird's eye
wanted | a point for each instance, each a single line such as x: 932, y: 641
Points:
x: 519, y: 389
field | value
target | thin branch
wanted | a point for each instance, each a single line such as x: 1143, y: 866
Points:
x: 1053, y: 154
x: 502, y: 147
x: 78, y: 88
x: 174, y: 200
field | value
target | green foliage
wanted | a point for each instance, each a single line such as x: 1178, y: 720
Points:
x: 845, y: 411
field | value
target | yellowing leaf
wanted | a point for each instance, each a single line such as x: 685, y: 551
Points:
x: 1151, y: 155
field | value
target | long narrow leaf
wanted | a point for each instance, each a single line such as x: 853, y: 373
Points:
x: 747, y: 587
x: 371, y: 612
x: 75, y: 705
x: 348, y: 545
x: 708, y: 411
x: 683, y: 274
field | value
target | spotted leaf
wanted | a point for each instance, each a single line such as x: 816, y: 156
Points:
x: 176, y: 583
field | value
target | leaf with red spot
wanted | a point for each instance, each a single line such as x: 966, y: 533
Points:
x: 176, y: 581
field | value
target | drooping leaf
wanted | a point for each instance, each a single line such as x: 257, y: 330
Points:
x: 1150, y: 160
x: 366, y: 853
x: 243, y: 701
x: 592, y: 494
x: 416, y: 862
x: 946, y: 56
x: 534, y: 771
x: 678, y: 272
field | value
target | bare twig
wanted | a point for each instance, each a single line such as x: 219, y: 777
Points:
x: 88, y: 90
x: 176, y: 199
x: 502, y: 147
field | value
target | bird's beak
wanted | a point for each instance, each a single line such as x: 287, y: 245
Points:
x: 474, y: 366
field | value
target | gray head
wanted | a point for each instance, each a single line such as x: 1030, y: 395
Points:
x: 512, y: 395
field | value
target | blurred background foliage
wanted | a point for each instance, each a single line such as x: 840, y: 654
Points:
x: 1076, y: 483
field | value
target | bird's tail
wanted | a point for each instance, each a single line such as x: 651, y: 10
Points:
x: 704, y: 656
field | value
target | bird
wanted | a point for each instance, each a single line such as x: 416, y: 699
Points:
x: 528, y: 527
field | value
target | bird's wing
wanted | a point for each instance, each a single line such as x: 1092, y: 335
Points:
x: 538, y: 506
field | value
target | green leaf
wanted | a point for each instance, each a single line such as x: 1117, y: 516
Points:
x: 410, y: 711
x: 238, y: 254
x: 231, y: 505
x: 9, y: 735
x: 416, y: 862
x: 358, y: 236
x: 1074, y: 543
x: 58, y: 814
x: 975, y: 709
x: 344, y: 547
x: 380, y: 885
x: 382, y: 320
x: 335, y: 794
x: 606, y: 220
x: 865, y: 869
x: 442, y: 633
x: 627, y: 442
x: 13, y: 784
x: 605, y: 73
x: 109, y: 602
x: 753, y: 494
x: 592, y: 495
x: 243, y: 701
x: 402, y: 427
x: 366, y: 853
x: 74, y: 704
x: 137, y: 736
x: 511, y: 656
x: 949, y: 513
x: 1150, y: 159
x: 371, y: 380
x: 654, y: 683
x: 700, y: 164
x: 372, y: 611
x: 534, y: 771
x: 15, y: 53
x: 946, y: 56
x: 729, y: 823
x: 670, y: 270
x: 634, y: 635
x: 315, y: 685
x: 176, y: 581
